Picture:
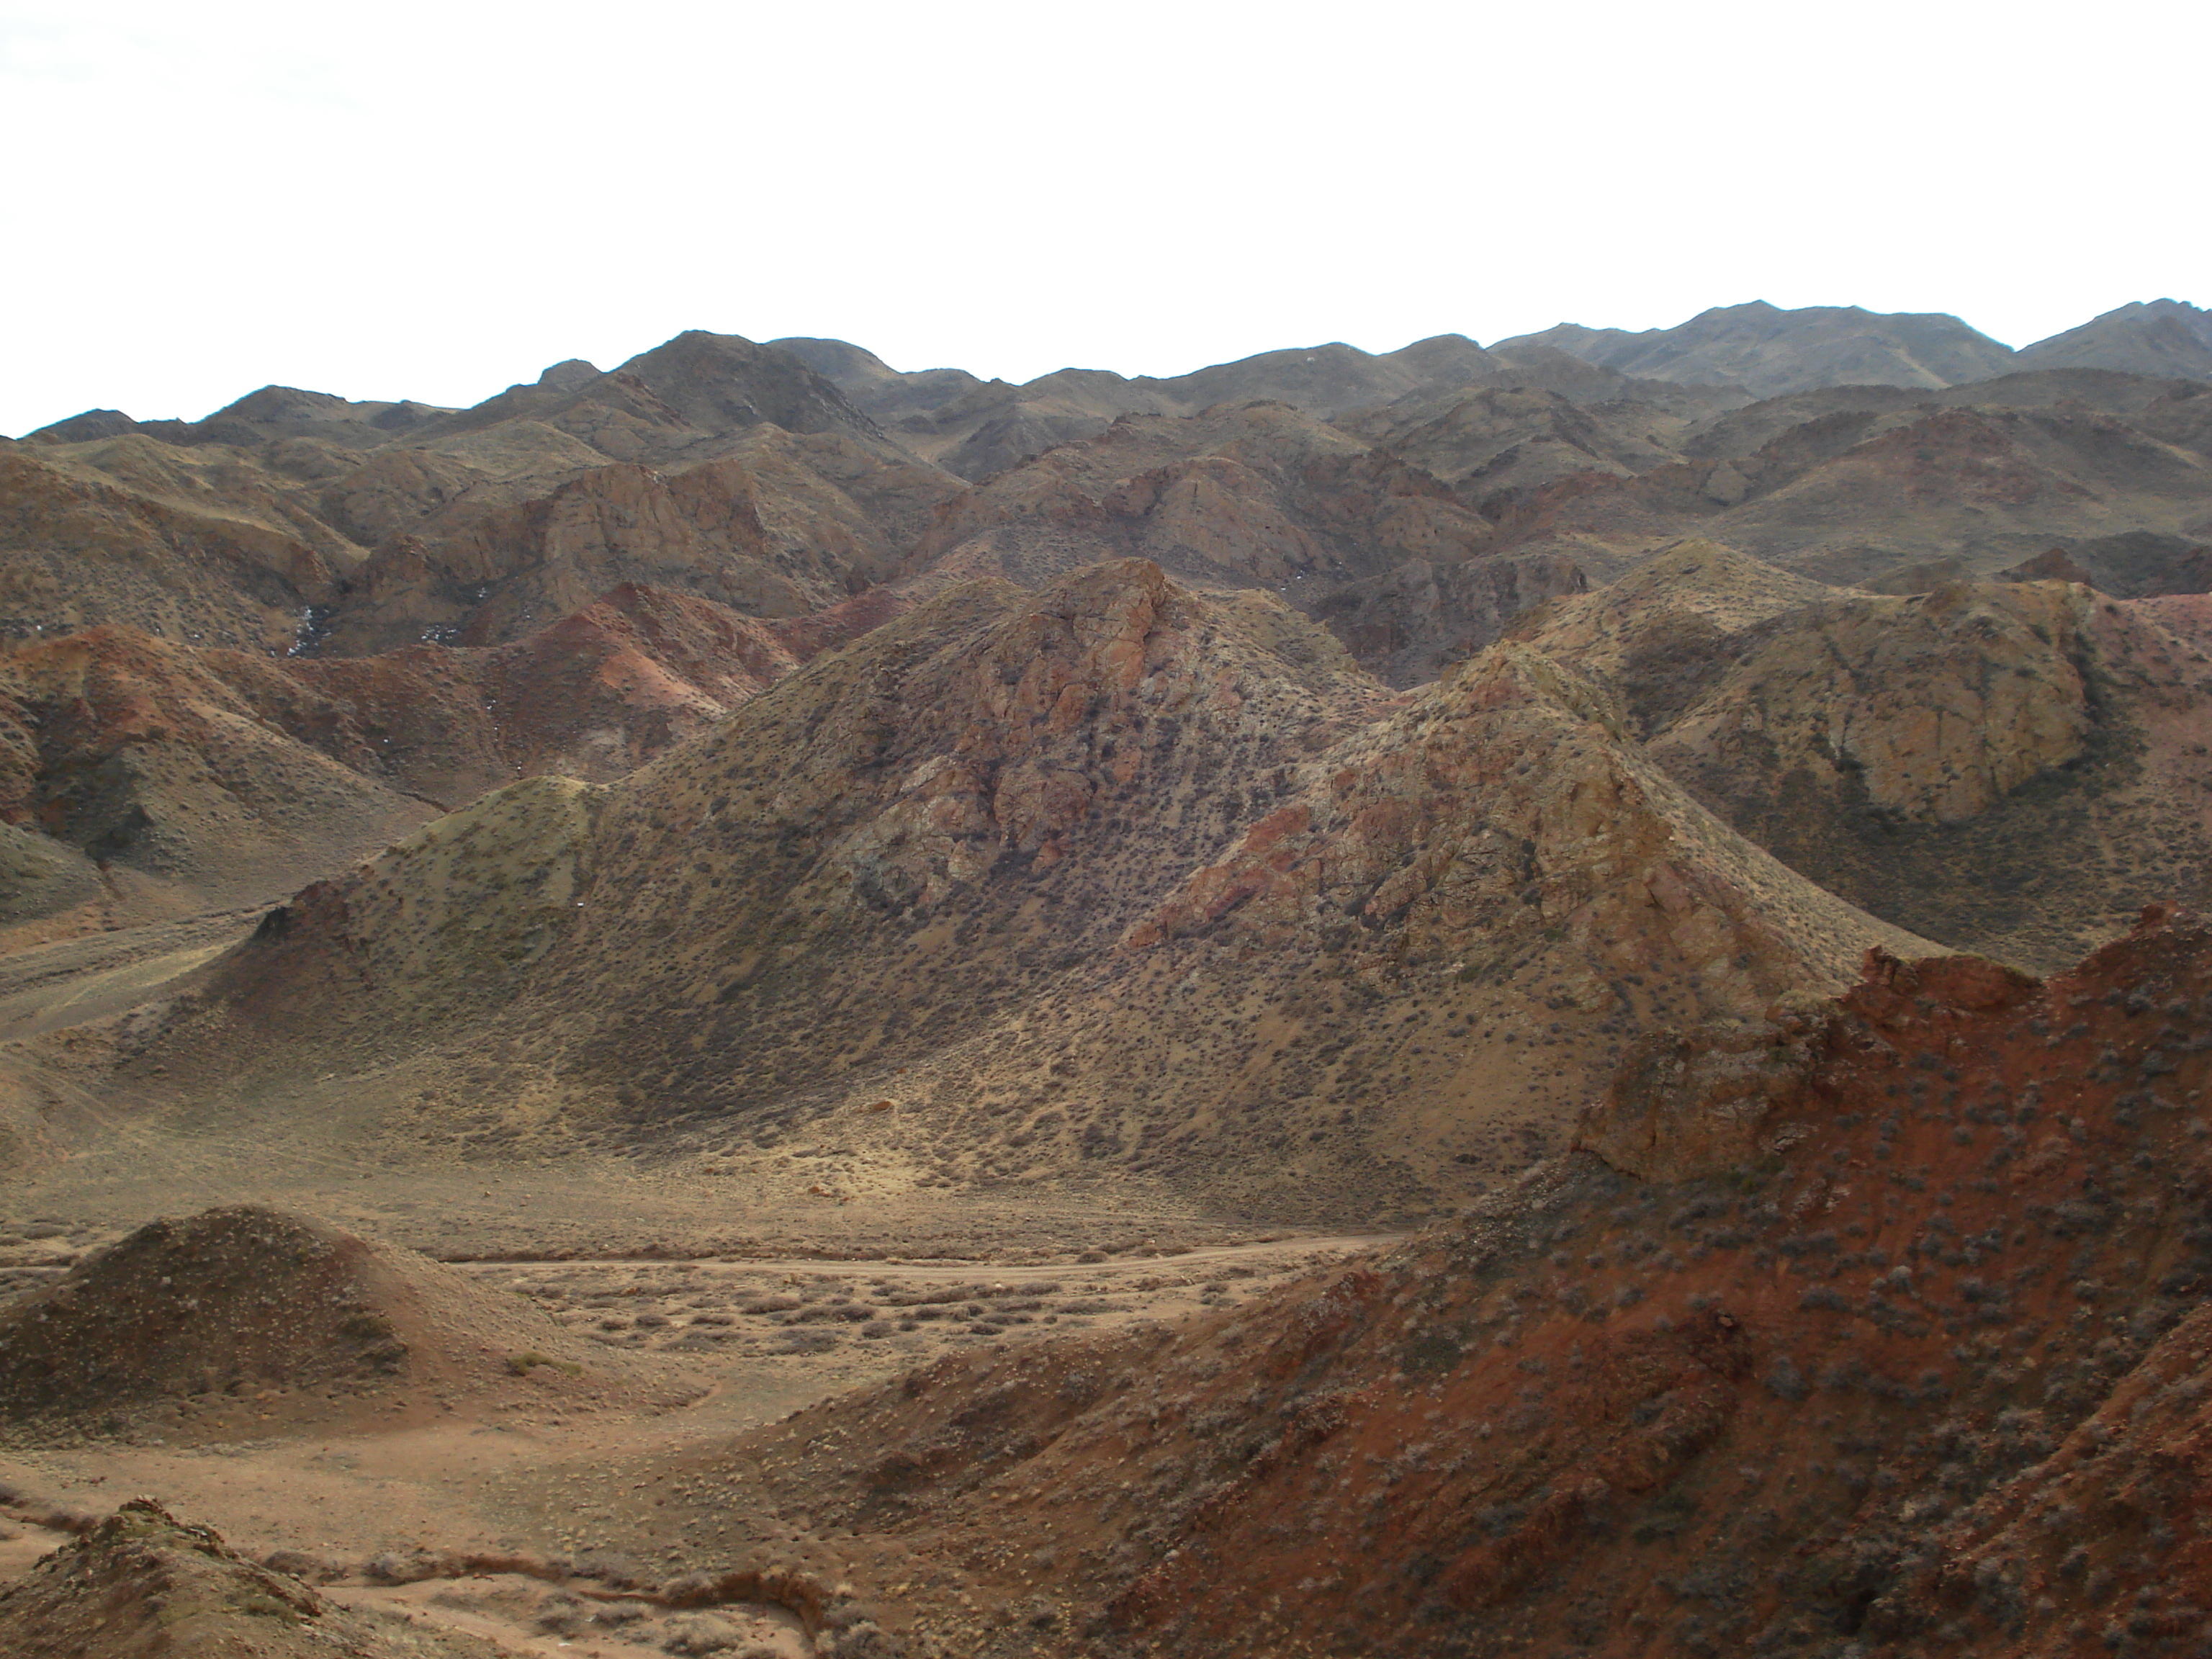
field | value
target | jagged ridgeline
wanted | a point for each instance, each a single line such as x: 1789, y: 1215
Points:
x: 1114, y: 877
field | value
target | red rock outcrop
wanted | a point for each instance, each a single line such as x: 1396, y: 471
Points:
x: 139, y: 752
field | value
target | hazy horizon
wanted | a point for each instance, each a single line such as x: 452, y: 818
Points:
x: 438, y: 203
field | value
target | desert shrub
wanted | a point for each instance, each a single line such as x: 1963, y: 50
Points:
x: 1785, y: 1380
x: 521, y: 1365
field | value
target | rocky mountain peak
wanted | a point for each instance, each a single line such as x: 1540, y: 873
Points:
x: 568, y: 373
x: 719, y: 381
x: 2154, y: 336
x: 87, y: 428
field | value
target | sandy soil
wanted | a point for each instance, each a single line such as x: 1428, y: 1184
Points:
x: 46, y: 987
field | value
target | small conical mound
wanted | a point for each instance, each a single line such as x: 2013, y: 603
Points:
x: 250, y: 1299
x: 144, y: 1584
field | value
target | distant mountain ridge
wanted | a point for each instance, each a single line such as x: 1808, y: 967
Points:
x: 1772, y: 351
x: 975, y: 427
x: 2164, y: 337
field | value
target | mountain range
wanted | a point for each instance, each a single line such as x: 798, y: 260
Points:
x: 1695, y: 834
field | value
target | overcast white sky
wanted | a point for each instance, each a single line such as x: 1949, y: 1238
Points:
x: 433, y: 200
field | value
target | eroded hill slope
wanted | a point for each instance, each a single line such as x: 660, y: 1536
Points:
x: 142, y: 778
x: 1115, y: 877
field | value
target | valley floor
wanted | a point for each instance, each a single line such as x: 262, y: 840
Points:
x: 561, y: 1482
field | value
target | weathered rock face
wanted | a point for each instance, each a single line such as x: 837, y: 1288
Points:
x: 1689, y: 1104
x: 1656, y: 631
x: 394, y: 490
x: 1411, y: 623
x: 2003, y: 765
x: 1480, y: 440
x: 1442, y: 824
x: 136, y: 752
x: 1105, y: 652
x: 1216, y: 511
x: 592, y: 697
x: 523, y: 567
x: 1727, y: 1097
x: 1384, y: 553
x: 780, y: 525
x: 1919, y: 1371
